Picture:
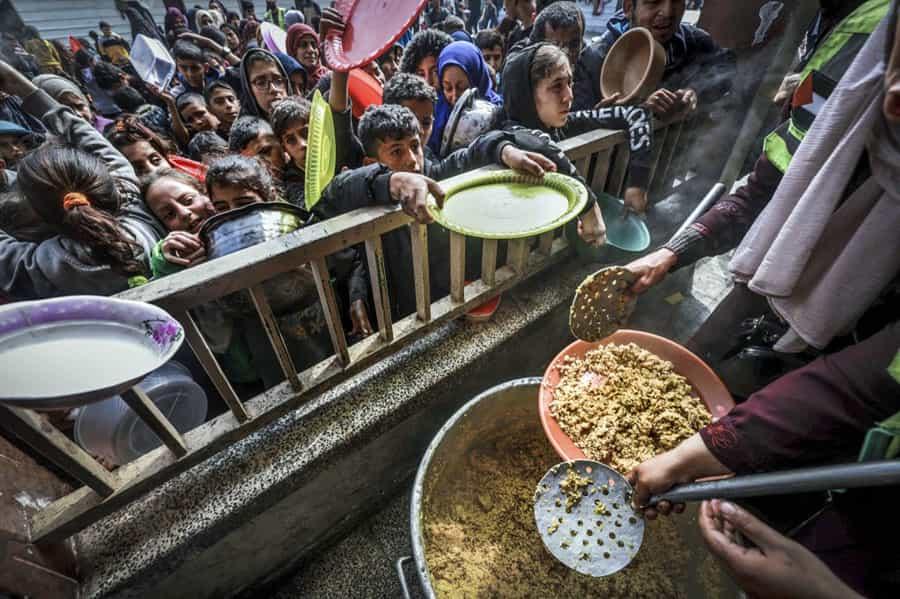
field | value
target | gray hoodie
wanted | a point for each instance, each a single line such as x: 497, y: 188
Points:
x: 60, y: 265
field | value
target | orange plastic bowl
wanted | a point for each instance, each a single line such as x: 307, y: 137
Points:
x: 705, y: 382
x: 364, y: 91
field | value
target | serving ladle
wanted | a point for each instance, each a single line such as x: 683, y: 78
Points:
x: 584, y: 513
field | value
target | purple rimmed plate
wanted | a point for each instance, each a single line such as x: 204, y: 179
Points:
x: 70, y: 351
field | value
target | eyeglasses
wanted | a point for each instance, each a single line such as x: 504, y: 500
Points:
x: 263, y: 83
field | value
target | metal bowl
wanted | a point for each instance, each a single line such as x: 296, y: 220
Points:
x: 238, y: 229
x: 472, y: 116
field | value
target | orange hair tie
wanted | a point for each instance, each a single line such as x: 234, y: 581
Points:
x: 74, y: 198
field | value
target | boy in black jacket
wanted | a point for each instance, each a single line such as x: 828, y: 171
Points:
x: 394, y: 165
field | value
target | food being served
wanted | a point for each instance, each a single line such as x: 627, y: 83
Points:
x: 622, y: 405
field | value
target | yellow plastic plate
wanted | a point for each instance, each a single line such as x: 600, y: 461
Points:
x: 320, y: 151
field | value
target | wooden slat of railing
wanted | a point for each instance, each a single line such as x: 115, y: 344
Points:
x: 457, y: 266
x: 138, y: 401
x: 659, y: 143
x: 79, y: 509
x: 330, y: 308
x: 419, y: 238
x: 619, y: 171
x: 488, y: 261
x: 601, y: 170
x: 582, y: 164
x: 517, y: 254
x: 44, y: 438
x: 591, y: 142
x: 378, y: 276
x: 282, y: 354
x: 211, y: 366
x: 545, y: 244
x: 668, y: 153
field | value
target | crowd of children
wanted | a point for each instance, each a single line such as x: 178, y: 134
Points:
x: 106, y: 183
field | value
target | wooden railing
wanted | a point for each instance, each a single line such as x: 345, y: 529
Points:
x: 600, y: 156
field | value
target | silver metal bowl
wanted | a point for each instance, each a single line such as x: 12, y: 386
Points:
x: 472, y: 116
x: 238, y: 229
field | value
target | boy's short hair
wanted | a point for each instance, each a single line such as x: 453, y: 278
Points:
x: 214, y: 85
x: 453, y: 24
x: 104, y: 24
x: 406, y: 86
x: 128, y: 99
x: 488, y: 38
x: 559, y: 15
x: 213, y: 34
x: 288, y: 111
x: 386, y: 121
x: 244, y: 130
x: 107, y: 75
x: 186, y: 98
x: 185, y: 50
x: 240, y: 171
x: 429, y: 42
x: 204, y: 143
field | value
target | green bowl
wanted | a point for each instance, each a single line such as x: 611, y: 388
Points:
x: 626, y: 231
x: 509, y: 205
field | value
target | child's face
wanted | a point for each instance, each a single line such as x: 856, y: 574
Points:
x: 493, y: 57
x: 268, y: 83
x: 232, y: 39
x: 402, y: 155
x: 294, y: 142
x: 224, y: 104
x: 193, y: 72
x: 77, y: 103
x: 389, y: 67
x: 229, y: 197
x: 198, y: 118
x: 180, y: 207
x: 553, y: 97
x: 144, y: 158
x: 267, y: 148
x: 308, y: 52
x: 12, y: 149
x: 454, y: 83
x: 427, y: 70
x: 424, y: 111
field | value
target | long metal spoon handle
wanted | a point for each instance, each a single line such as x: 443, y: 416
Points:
x: 708, y: 200
x: 823, y: 478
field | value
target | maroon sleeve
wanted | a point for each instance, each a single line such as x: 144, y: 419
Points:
x: 722, y: 227
x: 818, y: 413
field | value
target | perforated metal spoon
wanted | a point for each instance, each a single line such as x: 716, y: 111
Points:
x: 600, y: 544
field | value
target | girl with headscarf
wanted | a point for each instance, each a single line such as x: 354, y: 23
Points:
x: 460, y: 67
x: 175, y: 23
x: 264, y: 81
x: 303, y: 46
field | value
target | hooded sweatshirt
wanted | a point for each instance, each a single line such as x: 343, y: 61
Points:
x: 468, y: 58
x: 56, y: 86
x: 693, y: 60
x: 521, y: 113
x: 249, y: 105
x: 294, y: 35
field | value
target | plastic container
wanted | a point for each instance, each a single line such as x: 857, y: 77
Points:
x: 113, y: 431
x: 152, y: 61
x: 274, y: 37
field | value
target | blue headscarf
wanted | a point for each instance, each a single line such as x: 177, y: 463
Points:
x: 467, y: 57
x: 461, y: 36
x: 291, y: 66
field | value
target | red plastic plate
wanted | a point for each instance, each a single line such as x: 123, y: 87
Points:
x: 371, y: 27
x: 708, y: 386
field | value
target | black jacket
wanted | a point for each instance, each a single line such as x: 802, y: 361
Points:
x: 693, y: 60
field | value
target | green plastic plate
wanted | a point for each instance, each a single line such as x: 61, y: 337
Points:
x: 509, y: 205
x: 629, y: 233
x: 320, y: 152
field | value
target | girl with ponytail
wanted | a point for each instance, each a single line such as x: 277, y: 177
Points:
x: 102, y: 231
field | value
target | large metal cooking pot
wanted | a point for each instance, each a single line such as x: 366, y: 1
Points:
x: 471, y: 117
x: 511, y: 406
x: 506, y: 406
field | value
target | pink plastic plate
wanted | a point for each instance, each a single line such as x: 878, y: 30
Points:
x: 371, y: 27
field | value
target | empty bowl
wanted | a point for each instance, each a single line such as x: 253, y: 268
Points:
x: 633, y: 67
